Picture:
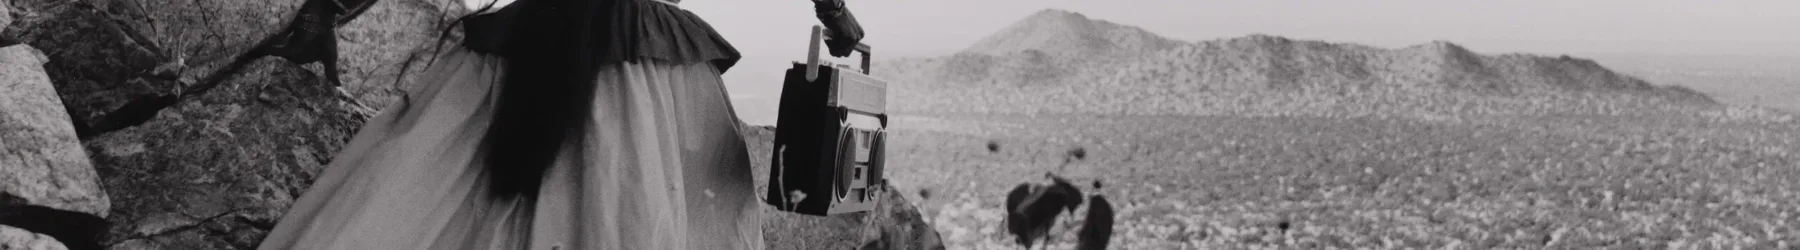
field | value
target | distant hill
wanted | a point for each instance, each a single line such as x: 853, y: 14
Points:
x: 1767, y: 81
x: 1057, y: 61
x: 1070, y: 33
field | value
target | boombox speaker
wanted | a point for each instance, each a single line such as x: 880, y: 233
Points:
x: 828, y: 153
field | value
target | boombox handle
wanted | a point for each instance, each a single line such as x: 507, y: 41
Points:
x: 812, y: 55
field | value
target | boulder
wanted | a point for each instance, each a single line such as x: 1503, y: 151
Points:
x: 18, y: 239
x: 217, y: 171
x: 95, y: 61
x: 40, y: 159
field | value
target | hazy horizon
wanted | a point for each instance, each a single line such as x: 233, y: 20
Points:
x: 773, y: 33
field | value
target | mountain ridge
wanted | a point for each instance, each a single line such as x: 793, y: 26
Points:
x: 1056, y: 30
x: 1057, y: 61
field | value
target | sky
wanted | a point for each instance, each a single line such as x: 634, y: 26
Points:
x: 773, y: 33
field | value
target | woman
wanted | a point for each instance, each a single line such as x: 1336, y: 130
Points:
x: 558, y: 124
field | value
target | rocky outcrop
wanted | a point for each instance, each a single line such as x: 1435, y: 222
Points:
x: 896, y: 223
x: 12, y: 238
x: 47, y: 184
x: 218, y: 171
x: 194, y: 35
x: 210, y: 170
x: 98, y: 63
x: 41, y: 160
x: 120, y: 68
x: 116, y: 62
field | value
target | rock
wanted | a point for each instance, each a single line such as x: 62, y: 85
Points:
x: 198, y: 35
x: 898, y: 224
x: 391, y: 36
x: 219, y: 170
x: 894, y: 224
x: 18, y: 239
x: 203, y: 28
x: 40, y: 159
x: 203, y: 36
x: 76, y: 230
x: 5, y: 18
x: 93, y: 57
x: 107, y: 54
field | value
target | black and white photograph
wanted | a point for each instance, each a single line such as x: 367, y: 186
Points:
x: 899, y: 124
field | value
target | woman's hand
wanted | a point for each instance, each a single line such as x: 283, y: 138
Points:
x: 844, y: 31
x: 491, y: 5
x: 822, y: 6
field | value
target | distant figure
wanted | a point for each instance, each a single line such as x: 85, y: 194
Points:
x: 1096, y: 228
x: 1061, y: 185
x: 1015, y: 198
x: 1032, y: 209
x: 993, y: 147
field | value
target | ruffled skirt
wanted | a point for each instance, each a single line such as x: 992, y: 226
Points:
x: 663, y: 166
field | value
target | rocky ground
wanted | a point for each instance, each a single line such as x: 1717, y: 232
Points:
x: 1266, y: 142
x: 1224, y: 182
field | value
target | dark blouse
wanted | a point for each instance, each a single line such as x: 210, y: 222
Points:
x: 643, y: 29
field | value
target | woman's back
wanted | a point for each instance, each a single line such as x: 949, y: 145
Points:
x: 642, y: 149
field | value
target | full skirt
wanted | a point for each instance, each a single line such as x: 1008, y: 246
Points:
x: 662, y: 165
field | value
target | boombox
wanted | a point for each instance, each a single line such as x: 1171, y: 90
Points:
x: 828, y: 153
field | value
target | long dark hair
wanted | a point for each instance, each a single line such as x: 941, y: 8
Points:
x: 546, y: 87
